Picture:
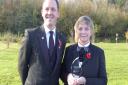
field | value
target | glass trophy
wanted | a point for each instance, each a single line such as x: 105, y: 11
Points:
x: 76, y: 68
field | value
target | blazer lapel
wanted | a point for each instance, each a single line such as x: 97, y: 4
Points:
x: 91, y: 50
x: 75, y: 53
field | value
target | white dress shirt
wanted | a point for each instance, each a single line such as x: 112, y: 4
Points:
x: 48, y: 34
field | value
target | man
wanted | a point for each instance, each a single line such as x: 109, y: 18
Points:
x: 42, y: 50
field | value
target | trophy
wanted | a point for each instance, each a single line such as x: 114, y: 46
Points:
x: 76, y: 67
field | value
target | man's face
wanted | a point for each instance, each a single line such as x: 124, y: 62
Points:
x: 50, y: 13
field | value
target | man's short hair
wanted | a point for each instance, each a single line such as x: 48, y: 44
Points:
x: 57, y: 3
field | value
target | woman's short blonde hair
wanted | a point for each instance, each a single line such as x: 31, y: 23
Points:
x: 87, y: 20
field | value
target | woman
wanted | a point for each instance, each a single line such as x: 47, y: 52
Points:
x: 93, y: 60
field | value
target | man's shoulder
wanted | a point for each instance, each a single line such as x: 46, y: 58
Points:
x: 32, y: 30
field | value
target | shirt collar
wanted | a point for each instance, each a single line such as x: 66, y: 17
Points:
x: 86, y: 45
x: 47, y: 29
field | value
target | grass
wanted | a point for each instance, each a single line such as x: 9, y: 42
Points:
x: 8, y: 64
x: 116, y: 63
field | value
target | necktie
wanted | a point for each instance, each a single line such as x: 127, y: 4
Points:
x: 51, y: 43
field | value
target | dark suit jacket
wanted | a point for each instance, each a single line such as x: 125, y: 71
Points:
x: 94, y: 70
x: 33, y: 64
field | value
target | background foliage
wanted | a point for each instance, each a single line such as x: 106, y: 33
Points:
x: 109, y: 16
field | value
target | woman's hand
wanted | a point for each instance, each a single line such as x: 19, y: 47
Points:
x: 81, y: 81
x: 75, y: 80
x: 71, y: 80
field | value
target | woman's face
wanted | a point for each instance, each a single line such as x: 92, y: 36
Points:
x: 84, y: 33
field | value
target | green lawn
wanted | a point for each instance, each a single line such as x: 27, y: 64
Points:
x: 8, y: 64
x: 116, y: 63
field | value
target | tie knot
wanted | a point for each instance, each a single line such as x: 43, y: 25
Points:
x: 82, y: 49
x: 51, y: 32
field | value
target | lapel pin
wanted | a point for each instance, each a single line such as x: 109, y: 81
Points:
x: 42, y: 38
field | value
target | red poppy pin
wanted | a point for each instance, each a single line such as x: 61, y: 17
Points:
x: 88, y: 55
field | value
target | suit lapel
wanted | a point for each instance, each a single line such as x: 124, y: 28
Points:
x: 59, y: 44
x: 58, y: 50
x: 43, y: 45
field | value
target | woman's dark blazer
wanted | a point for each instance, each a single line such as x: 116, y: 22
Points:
x: 94, y: 69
